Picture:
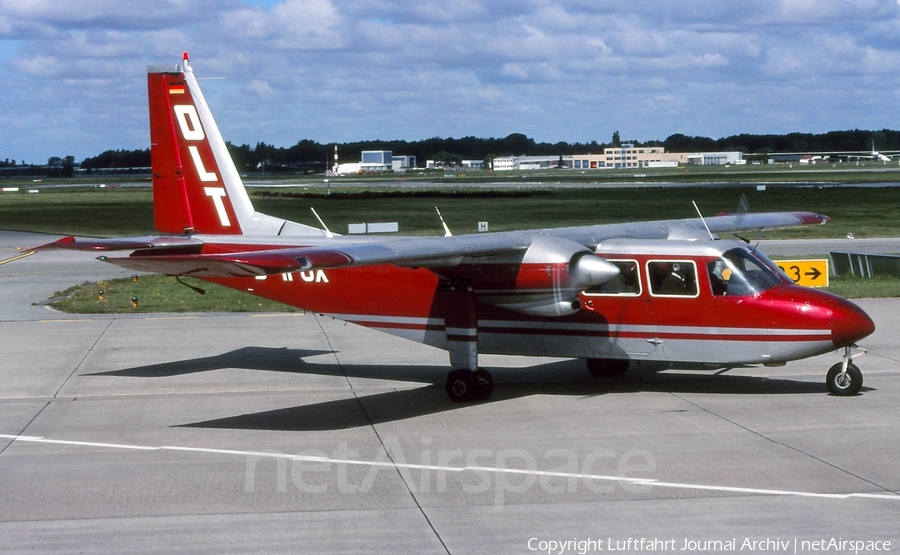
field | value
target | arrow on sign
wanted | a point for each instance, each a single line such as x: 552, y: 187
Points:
x: 815, y: 273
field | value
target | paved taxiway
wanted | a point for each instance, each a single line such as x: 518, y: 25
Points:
x: 294, y: 433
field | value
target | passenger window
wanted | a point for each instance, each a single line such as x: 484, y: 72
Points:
x: 672, y: 278
x: 628, y: 282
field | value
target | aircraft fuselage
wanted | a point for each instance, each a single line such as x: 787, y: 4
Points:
x: 669, y: 305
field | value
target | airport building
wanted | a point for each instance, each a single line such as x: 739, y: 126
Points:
x: 716, y: 158
x: 461, y: 165
x: 630, y: 156
x: 506, y: 163
x: 377, y: 161
x: 626, y: 156
x: 403, y: 163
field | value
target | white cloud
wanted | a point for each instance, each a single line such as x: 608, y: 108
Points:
x: 294, y: 24
x: 352, y: 69
x: 261, y: 90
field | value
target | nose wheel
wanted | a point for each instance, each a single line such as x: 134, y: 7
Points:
x: 845, y: 378
x: 465, y: 386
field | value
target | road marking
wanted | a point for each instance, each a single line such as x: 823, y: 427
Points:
x: 276, y: 314
x: 388, y: 464
x: 17, y: 257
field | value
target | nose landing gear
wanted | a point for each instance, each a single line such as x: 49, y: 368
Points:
x: 845, y: 378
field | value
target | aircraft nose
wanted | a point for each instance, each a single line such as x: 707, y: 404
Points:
x: 849, y: 324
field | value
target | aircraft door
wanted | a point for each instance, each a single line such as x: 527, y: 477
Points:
x: 674, y: 309
x: 624, y: 304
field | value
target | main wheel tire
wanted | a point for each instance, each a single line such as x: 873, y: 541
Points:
x: 461, y: 385
x: 844, y: 385
x: 464, y: 386
x: 607, y: 367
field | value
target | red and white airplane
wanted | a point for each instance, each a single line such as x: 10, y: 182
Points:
x: 663, y: 291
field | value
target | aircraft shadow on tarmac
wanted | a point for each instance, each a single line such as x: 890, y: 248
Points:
x: 555, y: 378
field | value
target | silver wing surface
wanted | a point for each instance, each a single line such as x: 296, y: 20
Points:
x: 249, y: 256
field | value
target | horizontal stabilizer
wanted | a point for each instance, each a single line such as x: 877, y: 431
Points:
x: 125, y: 244
x: 210, y: 265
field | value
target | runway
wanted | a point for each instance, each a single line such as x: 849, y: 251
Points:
x: 240, y: 433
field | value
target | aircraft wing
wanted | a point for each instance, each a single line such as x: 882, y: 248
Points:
x: 181, y: 255
x: 432, y: 252
x: 760, y: 221
x: 185, y: 255
x: 690, y: 228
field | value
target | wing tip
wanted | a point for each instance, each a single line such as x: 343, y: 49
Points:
x: 812, y: 218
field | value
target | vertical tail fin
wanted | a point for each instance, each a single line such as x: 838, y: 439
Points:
x: 196, y: 187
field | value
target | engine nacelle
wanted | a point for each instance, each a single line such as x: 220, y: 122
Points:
x: 548, y: 278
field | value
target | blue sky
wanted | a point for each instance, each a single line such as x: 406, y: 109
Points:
x: 73, y: 74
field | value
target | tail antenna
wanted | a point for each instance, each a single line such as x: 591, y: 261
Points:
x: 443, y: 223
x: 328, y: 232
x: 711, y: 238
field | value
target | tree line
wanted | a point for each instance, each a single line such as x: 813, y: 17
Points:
x: 309, y: 155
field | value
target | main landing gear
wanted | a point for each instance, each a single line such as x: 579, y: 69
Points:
x: 845, y: 378
x: 465, y: 386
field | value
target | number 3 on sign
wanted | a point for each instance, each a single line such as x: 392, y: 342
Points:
x: 809, y: 273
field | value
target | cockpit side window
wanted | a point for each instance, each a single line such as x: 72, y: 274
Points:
x: 628, y: 282
x: 672, y: 278
x: 738, y: 273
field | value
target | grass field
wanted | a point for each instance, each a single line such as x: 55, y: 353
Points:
x: 157, y: 293
x: 863, y: 211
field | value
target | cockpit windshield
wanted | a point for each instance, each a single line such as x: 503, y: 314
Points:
x: 739, y: 273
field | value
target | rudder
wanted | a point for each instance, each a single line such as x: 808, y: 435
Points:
x: 196, y: 188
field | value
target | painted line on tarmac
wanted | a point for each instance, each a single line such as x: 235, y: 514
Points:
x: 405, y: 466
x: 275, y: 314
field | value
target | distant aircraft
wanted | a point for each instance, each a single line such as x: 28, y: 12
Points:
x: 842, y: 155
x: 875, y: 156
x: 879, y: 157
x: 662, y: 291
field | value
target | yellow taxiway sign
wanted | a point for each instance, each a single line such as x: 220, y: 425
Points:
x: 809, y: 273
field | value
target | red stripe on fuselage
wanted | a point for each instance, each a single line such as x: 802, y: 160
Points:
x: 512, y: 329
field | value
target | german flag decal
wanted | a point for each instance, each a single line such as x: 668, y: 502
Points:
x: 176, y: 89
